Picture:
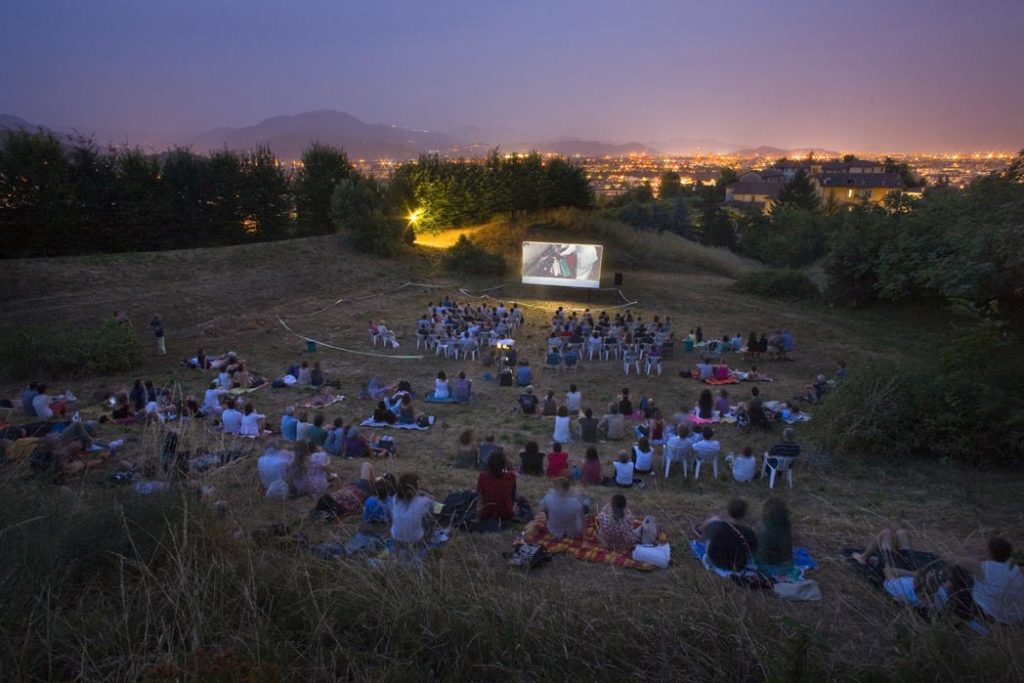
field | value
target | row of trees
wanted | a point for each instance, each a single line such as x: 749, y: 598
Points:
x: 59, y: 198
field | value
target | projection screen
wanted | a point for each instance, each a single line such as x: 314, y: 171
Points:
x: 562, y: 265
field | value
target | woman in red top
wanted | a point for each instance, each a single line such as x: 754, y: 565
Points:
x: 496, y: 489
x: 558, y: 462
x: 591, y: 468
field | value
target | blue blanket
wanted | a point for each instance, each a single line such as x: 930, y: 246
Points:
x: 429, y: 398
x: 802, y: 562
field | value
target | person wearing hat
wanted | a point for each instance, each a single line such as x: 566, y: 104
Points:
x: 528, y: 402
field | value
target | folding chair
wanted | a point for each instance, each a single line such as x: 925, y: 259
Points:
x: 775, y: 464
x: 700, y: 458
x: 675, y: 454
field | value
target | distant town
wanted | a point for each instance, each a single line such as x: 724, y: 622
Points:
x: 614, y: 175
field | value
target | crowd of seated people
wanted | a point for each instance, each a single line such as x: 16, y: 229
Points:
x: 462, y: 327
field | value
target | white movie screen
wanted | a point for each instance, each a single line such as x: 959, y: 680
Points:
x: 562, y: 265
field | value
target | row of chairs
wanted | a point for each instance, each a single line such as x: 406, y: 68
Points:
x: 770, y: 466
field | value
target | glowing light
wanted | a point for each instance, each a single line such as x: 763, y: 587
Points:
x: 414, y: 216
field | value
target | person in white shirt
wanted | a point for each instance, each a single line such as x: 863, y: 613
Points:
x: 998, y: 583
x: 743, y: 466
x: 573, y: 400
x: 562, y: 431
x: 274, y: 466
x: 302, y: 428
x: 643, y: 456
x: 46, y: 405
x: 564, y: 511
x: 408, y: 508
x: 707, y: 449
x: 231, y: 419
x: 252, y: 422
x: 441, y: 386
x: 624, y: 470
x: 679, y: 444
x: 211, y: 399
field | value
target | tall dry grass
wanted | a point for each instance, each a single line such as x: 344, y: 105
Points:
x: 101, y: 585
x: 624, y: 244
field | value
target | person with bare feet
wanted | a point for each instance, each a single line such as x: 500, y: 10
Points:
x: 903, y: 581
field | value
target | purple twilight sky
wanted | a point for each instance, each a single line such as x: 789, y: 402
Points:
x: 936, y: 75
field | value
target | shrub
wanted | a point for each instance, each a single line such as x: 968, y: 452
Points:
x: 72, y: 350
x: 468, y: 257
x: 777, y: 284
x: 961, y: 404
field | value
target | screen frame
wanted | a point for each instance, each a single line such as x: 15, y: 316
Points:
x: 589, y: 283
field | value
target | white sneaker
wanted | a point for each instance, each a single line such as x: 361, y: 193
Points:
x: 76, y: 417
x: 116, y: 443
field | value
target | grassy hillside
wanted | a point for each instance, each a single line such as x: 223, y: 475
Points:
x: 109, y: 585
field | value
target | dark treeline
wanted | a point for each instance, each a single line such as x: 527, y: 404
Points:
x: 58, y: 199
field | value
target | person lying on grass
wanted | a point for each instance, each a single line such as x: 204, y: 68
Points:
x: 904, y: 581
x: 368, y: 494
x: 998, y: 589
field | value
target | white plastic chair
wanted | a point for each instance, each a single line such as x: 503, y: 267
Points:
x: 781, y: 465
x: 653, y: 362
x: 630, y: 357
x: 670, y: 455
x: 701, y: 458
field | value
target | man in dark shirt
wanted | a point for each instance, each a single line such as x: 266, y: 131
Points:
x: 730, y: 544
x: 528, y: 402
x: 787, y: 448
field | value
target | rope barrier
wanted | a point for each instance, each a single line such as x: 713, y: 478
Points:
x: 341, y: 348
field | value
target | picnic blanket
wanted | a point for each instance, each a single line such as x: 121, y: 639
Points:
x: 727, y: 380
x: 695, y: 419
x: 238, y: 391
x: 368, y: 422
x: 793, y: 419
x: 323, y: 404
x: 585, y: 548
x: 429, y: 398
x: 802, y: 562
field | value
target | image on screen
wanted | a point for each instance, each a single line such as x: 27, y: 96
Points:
x: 562, y: 265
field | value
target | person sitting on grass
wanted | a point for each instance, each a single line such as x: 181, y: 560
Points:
x: 998, y: 589
x: 643, y: 456
x: 496, y: 493
x: 316, y: 434
x: 722, y: 403
x: 744, y: 466
x: 730, y: 544
x: 564, y: 511
x: 275, y: 470
x: 531, y: 460
x: 591, y: 468
x: 47, y: 406
x: 616, y: 528
x: 484, y: 451
x: 528, y: 402
x: 775, y: 540
x: 573, y: 400
x: 624, y: 468
x: 335, y: 441
x: 625, y: 404
x: 463, y: 389
x: 253, y: 422
x: 587, y: 427
x: 705, y: 405
x: 549, y: 407
x: 382, y: 415
x: 466, y: 451
x: 406, y: 414
x: 409, y: 507
x: 563, y: 431
x: 441, y: 386
x: 903, y: 582
x: 524, y: 376
x: 309, y: 470
x: 231, y: 418
x: 613, y: 425
x: 558, y: 461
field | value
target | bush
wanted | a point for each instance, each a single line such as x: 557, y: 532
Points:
x: 467, y: 257
x: 961, y: 404
x: 68, y: 351
x: 777, y: 284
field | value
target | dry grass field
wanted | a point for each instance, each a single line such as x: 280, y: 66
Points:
x: 597, y: 622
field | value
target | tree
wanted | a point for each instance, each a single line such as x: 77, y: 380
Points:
x: 903, y: 170
x: 34, y: 193
x: 671, y: 185
x: 323, y: 167
x: 358, y: 207
x: 265, y: 201
x: 799, y: 193
x: 718, y: 229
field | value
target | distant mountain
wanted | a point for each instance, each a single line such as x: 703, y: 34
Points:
x: 689, y: 146
x: 288, y: 136
x: 592, y: 148
x: 12, y: 122
x: 777, y: 152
